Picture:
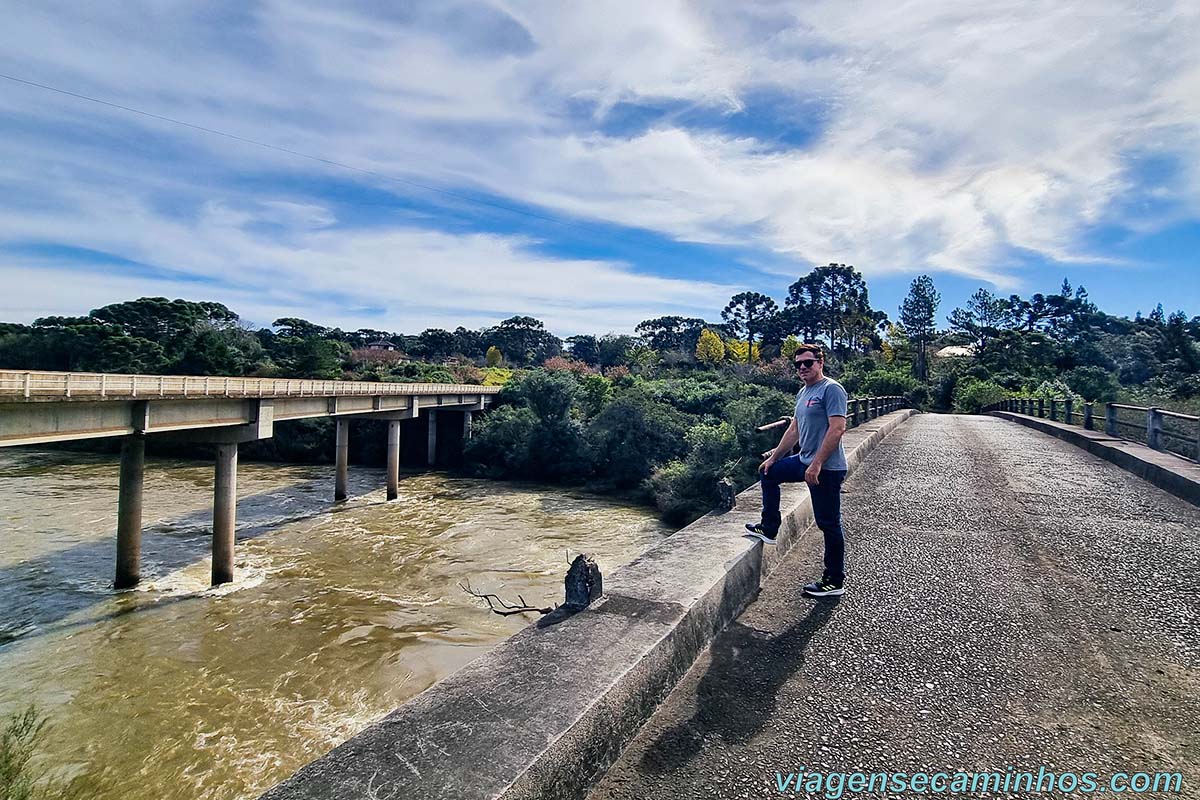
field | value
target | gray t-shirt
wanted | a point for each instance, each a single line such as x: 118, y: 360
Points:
x: 814, y: 406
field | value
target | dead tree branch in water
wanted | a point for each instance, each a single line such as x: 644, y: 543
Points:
x: 504, y: 609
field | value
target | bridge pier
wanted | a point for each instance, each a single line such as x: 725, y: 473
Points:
x: 393, y: 459
x: 129, y: 511
x: 342, y: 457
x: 466, y: 426
x: 224, y: 513
x: 431, y: 442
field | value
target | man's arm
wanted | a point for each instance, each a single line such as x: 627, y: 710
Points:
x: 786, y: 443
x: 833, y: 437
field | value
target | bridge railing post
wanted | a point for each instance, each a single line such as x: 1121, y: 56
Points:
x: 1110, y: 419
x: 1154, y: 428
x: 1067, y: 404
x: 1088, y: 423
x: 1054, y: 409
x: 1042, y: 407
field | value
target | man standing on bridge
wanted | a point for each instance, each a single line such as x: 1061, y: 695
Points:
x: 818, y: 425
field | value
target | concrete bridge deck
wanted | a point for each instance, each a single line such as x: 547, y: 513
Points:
x: 1013, y: 602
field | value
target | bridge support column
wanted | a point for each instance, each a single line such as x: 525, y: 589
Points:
x: 466, y: 425
x: 224, y: 513
x: 342, y: 459
x: 431, y: 445
x: 393, y: 459
x: 129, y: 511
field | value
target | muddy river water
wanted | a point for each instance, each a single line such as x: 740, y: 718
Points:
x: 337, y: 614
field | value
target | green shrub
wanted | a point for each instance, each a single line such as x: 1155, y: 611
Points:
x: 884, y: 383
x: 634, y: 434
x: 595, y: 392
x: 972, y: 394
x: 1095, y: 384
x: 550, y: 394
x: 532, y: 434
x: 1056, y: 389
x: 500, y: 441
x: 694, y: 395
x: 686, y: 490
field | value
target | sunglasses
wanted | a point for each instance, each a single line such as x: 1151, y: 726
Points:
x: 805, y: 363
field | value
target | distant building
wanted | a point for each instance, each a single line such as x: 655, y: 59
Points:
x: 956, y: 351
x: 381, y: 345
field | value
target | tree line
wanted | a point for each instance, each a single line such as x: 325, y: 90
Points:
x: 665, y: 412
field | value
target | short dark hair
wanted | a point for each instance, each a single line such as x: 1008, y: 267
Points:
x: 817, y: 350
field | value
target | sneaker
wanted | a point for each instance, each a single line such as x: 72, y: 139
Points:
x: 826, y: 587
x: 757, y: 531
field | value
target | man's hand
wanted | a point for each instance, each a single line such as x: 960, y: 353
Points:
x: 766, y: 465
x: 812, y: 474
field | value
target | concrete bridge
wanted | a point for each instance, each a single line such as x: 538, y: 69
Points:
x: 49, y: 407
x: 1018, y: 600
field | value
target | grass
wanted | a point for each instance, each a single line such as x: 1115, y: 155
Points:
x: 19, y: 779
x: 18, y: 743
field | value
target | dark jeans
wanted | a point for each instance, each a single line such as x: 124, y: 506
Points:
x: 826, y: 501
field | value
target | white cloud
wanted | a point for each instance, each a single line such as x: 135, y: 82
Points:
x: 416, y: 278
x: 949, y: 133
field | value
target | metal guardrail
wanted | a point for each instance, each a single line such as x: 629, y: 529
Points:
x: 858, y: 411
x: 18, y: 385
x: 1154, y: 429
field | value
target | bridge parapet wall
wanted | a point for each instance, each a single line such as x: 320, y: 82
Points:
x: 1159, y: 428
x: 1167, y: 471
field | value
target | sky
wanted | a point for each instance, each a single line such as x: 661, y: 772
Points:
x: 404, y: 164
